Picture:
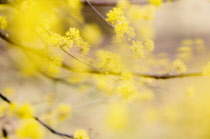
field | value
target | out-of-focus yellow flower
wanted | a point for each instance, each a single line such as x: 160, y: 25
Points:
x: 63, y: 112
x: 190, y: 91
x: 109, y: 62
x: 127, y: 75
x: 122, y: 29
x: 117, y: 116
x: 206, y: 69
x: 128, y: 91
x: 25, y: 111
x: 123, y: 4
x: 92, y: 34
x: 29, y: 128
x: 179, y: 66
x: 138, y: 49
x: 156, y: 2
x: 3, y: 22
x: 8, y: 90
x: 81, y: 134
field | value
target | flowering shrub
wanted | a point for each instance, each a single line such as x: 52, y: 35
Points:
x: 64, y: 74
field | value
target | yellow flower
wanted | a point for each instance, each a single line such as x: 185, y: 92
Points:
x: 8, y: 90
x: 138, y: 49
x: 3, y: 22
x: 109, y: 62
x: 122, y: 29
x: 128, y: 91
x: 156, y: 2
x: 127, y: 75
x: 81, y: 134
x: 63, y: 112
x: 179, y: 66
x: 25, y: 111
x: 117, y: 116
x: 206, y: 69
x: 29, y: 128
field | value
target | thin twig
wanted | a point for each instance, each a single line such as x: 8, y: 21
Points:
x: 40, y: 121
x: 114, y: 3
x: 67, y: 67
x: 99, y: 14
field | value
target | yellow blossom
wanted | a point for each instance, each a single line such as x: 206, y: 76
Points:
x: 117, y: 117
x: 156, y: 2
x: 138, y: 49
x: 29, y: 128
x: 63, y: 112
x: 92, y: 34
x: 206, y: 69
x: 149, y: 45
x: 81, y: 134
x: 25, y: 111
x: 3, y: 22
x: 109, y: 62
x: 179, y: 66
x: 126, y: 75
x: 128, y: 91
x: 8, y: 90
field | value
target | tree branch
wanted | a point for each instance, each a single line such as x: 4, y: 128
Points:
x: 41, y: 122
x: 94, y: 71
x: 114, y: 3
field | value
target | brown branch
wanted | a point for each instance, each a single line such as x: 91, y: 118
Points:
x: 114, y: 3
x: 98, y: 13
x: 94, y: 71
x: 40, y: 121
x: 145, y: 75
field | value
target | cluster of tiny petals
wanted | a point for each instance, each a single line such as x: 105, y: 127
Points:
x: 109, y: 62
x: 71, y: 39
x: 156, y: 2
x: 179, y: 66
x: 3, y: 22
x: 127, y: 75
x: 138, y: 49
x: 122, y: 29
x: 128, y: 91
x: 29, y: 128
x: 81, y: 134
x: 149, y: 44
x: 206, y: 69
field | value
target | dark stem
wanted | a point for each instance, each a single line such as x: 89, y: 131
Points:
x: 41, y: 122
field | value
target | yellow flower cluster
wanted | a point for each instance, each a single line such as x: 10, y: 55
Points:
x: 71, y: 39
x: 30, y: 129
x: 117, y: 118
x: 23, y: 111
x: 156, y: 2
x: 123, y: 4
x: 3, y: 22
x: 109, y: 62
x: 63, y: 112
x: 75, y: 10
x: 206, y: 69
x: 127, y: 75
x: 128, y: 91
x: 92, y: 34
x: 179, y: 66
x: 58, y: 114
x: 81, y: 134
x: 138, y: 49
x: 52, y: 64
x: 184, y: 53
x: 122, y: 29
